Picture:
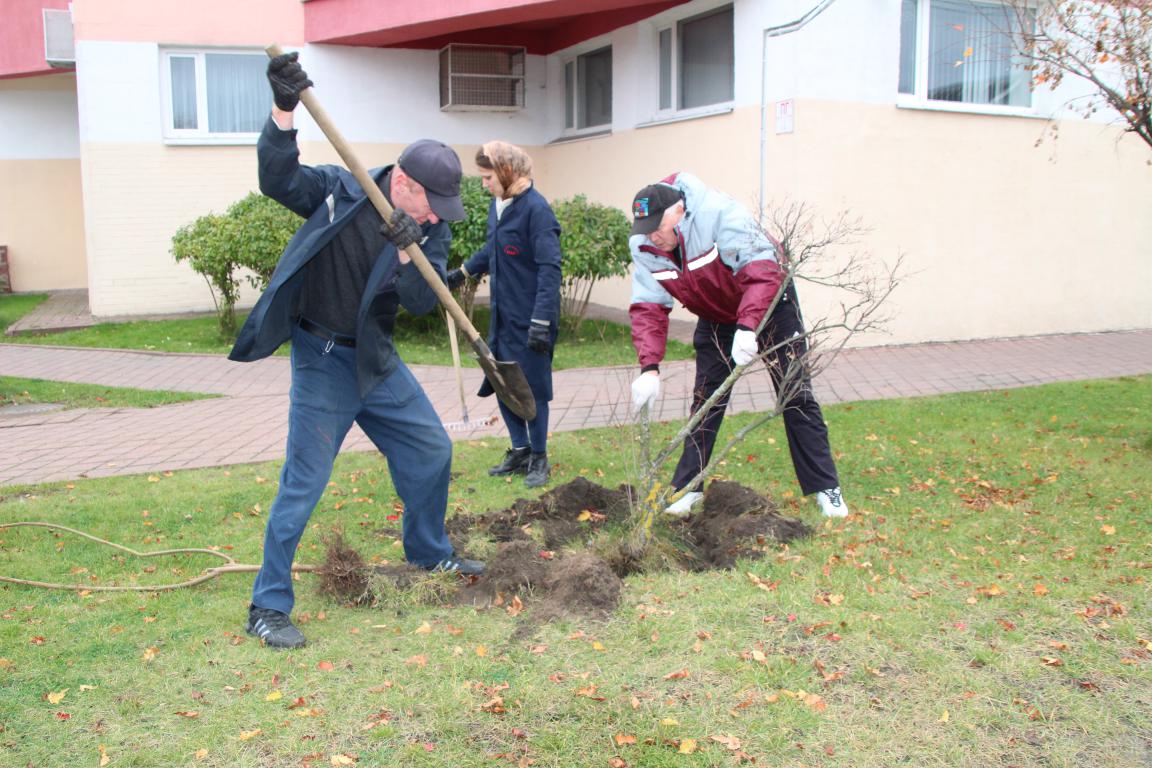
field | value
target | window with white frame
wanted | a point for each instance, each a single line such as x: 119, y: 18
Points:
x: 588, y: 90
x: 963, y: 51
x: 696, y: 61
x: 215, y: 95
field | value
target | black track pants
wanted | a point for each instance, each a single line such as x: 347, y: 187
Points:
x: 803, y: 421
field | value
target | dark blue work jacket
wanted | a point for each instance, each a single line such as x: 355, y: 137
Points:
x: 522, y: 255
x: 330, y: 197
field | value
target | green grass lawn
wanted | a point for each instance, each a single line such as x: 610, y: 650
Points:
x: 14, y: 307
x: 17, y: 391
x: 986, y: 605
x: 421, y: 340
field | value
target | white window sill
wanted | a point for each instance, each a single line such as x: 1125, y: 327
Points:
x: 248, y: 140
x: 687, y: 114
x: 592, y: 133
x: 963, y: 108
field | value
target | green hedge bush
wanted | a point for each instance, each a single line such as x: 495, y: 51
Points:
x: 243, y: 243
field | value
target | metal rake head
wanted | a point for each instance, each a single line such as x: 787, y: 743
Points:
x: 469, y: 425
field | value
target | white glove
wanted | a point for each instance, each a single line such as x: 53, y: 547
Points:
x: 645, y: 389
x: 744, y: 346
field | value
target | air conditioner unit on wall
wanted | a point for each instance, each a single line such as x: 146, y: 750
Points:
x: 482, y: 77
x: 59, y: 45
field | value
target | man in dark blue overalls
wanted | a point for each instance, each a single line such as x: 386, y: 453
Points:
x: 335, y: 293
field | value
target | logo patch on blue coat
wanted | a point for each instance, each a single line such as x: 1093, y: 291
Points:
x: 511, y: 250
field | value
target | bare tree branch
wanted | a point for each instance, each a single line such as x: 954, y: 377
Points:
x: 1107, y: 43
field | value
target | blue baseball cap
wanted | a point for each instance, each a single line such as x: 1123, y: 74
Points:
x: 436, y: 167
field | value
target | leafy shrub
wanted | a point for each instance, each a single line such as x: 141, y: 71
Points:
x: 594, y: 240
x: 250, y: 236
x: 469, y: 234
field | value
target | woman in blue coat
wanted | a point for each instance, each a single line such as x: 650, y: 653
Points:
x: 522, y: 257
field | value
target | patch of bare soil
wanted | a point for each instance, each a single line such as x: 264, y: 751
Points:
x: 736, y: 522
x: 733, y: 522
x: 557, y: 515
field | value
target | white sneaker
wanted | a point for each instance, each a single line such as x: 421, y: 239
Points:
x: 832, y: 503
x: 685, y: 504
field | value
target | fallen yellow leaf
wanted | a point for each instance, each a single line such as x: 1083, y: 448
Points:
x: 424, y: 629
x: 57, y: 697
x: 200, y: 754
x: 687, y: 746
x: 104, y: 759
x: 943, y: 717
x: 274, y: 696
x: 150, y: 653
x: 246, y: 735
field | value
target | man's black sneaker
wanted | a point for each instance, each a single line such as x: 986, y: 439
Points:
x: 459, y: 565
x: 274, y: 628
x: 515, y: 462
x: 538, y: 469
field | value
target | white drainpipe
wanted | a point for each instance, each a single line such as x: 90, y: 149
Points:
x: 776, y: 31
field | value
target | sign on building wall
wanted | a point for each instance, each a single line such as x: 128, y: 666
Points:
x: 785, y: 116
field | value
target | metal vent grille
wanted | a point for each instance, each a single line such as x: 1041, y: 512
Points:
x: 59, y: 46
x: 481, y: 77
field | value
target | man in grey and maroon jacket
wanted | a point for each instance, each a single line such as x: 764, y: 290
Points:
x: 696, y: 245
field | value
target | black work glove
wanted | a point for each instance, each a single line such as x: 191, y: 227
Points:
x: 455, y: 279
x: 401, y: 230
x: 539, y: 337
x: 287, y: 79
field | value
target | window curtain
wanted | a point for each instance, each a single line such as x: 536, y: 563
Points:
x: 707, y: 59
x: 238, y: 96
x: 971, y: 55
x: 183, y: 71
x: 594, y: 79
x: 908, y: 11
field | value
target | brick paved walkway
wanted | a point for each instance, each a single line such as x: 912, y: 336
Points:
x: 249, y: 423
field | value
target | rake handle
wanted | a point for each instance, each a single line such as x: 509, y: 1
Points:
x: 456, y: 365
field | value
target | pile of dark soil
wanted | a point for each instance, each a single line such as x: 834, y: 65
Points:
x: 558, y: 515
x: 559, y: 576
x: 736, y: 522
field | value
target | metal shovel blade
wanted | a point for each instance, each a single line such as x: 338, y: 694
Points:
x: 508, y: 380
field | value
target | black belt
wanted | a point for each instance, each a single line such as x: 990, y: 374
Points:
x: 319, y: 330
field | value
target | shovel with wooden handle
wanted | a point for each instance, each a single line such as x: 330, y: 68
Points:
x: 506, y: 378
